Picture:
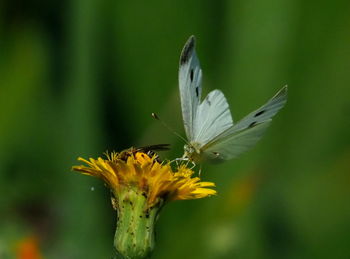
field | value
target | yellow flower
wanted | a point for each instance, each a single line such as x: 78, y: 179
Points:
x: 157, y: 181
x: 141, y: 185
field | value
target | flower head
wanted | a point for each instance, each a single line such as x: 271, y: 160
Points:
x: 141, y: 185
x: 145, y: 173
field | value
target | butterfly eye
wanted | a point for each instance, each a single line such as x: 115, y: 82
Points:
x: 259, y: 113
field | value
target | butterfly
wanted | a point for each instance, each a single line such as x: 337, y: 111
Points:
x: 212, y: 135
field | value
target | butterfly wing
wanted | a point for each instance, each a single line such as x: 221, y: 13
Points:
x: 234, y: 144
x: 265, y: 112
x: 213, y: 117
x: 190, y: 84
x: 244, y: 134
x: 203, y: 121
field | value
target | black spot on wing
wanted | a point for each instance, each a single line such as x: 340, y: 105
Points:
x: 259, y: 113
x: 187, y: 50
x: 191, y: 75
x: 197, y: 91
x: 252, y: 124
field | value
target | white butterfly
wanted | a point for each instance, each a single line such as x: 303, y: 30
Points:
x: 212, y: 135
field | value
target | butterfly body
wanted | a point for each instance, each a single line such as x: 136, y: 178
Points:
x: 211, y: 132
x: 192, y: 152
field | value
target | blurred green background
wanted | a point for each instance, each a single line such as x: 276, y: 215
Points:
x: 83, y: 76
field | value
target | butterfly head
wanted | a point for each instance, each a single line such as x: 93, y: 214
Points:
x: 192, y: 152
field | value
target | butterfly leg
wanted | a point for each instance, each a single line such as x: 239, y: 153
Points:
x: 176, y: 160
x: 200, y: 171
x: 193, y: 164
x: 179, y: 159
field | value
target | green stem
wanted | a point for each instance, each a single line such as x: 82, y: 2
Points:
x: 134, y: 236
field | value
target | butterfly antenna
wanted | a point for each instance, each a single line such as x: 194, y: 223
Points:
x: 155, y: 116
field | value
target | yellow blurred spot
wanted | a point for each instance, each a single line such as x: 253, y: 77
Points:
x: 241, y: 194
x: 28, y: 248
